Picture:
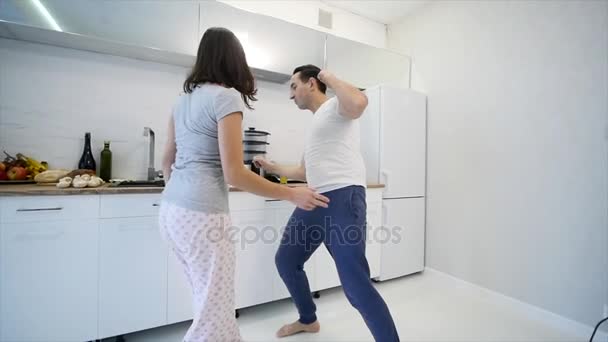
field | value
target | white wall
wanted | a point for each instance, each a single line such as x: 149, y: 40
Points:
x: 306, y: 13
x: 50, y: 96
x: 517, y: 160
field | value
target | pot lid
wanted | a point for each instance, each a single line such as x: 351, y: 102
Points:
x: 253, y: 131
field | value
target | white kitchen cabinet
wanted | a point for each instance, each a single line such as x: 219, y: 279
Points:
x: 278, y: 213
x: 179, y: 292
x: 254, y: 240
x: 254, y: 261
x: 76, y: 268
x: 365, y: 66
x: 165, y: 25
x: 132, y: 276
x: 169, y: 32
x: 48, y: 208
x: 403, y: 247
x: 321, y: 268
x: 326, y: 273
x: 129, y: 205
x: 269, y: 43
x: 48, y: 280
x: 255, y: 269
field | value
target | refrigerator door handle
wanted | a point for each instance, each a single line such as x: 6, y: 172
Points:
x: 384, y: 175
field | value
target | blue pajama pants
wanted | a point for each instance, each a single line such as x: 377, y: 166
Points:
x: 342, y: 228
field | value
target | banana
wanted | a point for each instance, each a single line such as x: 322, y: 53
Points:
x: 35, y: 165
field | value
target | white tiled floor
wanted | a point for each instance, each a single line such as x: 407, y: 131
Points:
x: 426, y: 307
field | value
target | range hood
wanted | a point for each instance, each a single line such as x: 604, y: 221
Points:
x: 76, y: 41
x: 270, y: 76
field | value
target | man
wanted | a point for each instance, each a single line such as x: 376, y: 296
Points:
x: 333, y: 166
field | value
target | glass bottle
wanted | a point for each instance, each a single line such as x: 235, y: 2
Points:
x: 87, y: 161
x: 105, y: 169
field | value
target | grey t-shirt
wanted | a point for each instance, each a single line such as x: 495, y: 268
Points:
x: 197, y: 181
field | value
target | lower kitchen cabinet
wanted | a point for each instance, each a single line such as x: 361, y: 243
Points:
x: 78, y: 268
x: 132, y: 275
x: 48, y: 280
x: 254, y: 258
x: 179, y: 293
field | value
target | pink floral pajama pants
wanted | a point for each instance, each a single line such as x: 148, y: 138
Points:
x: 200, y: 244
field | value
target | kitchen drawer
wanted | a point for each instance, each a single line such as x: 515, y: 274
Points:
x: 42, y: 208
x: 129, y: 205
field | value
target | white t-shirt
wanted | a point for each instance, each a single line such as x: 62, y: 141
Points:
x: 332, y: 155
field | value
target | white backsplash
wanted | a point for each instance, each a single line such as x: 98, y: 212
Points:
x: 50, y: 96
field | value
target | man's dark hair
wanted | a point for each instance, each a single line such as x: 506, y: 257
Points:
x: 307, y: 71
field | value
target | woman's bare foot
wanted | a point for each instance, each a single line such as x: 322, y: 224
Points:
x: 297, y: 327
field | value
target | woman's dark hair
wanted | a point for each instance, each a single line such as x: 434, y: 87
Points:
x: 307, y: 71
x: 221, y: 59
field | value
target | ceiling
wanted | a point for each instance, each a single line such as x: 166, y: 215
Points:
x: 385, y: 12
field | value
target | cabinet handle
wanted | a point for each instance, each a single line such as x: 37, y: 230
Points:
x: 156, y: 205
x: 39, y: 209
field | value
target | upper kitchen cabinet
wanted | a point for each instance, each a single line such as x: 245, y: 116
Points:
x: 163, y: 25
x: 365, y: 66
x: 273, y: 47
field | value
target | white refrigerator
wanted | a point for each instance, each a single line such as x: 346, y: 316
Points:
x: 393, y: 143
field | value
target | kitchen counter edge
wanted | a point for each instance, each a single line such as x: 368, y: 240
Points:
x: 46, y: 190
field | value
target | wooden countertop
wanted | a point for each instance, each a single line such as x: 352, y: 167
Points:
x: 106, y: 189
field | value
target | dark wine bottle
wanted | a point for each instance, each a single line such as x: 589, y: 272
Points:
x: 105, y: 169
x: 87, y: 161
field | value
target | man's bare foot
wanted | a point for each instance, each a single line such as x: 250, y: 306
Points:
x: 297, y: 327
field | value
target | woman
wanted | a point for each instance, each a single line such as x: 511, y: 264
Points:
x: 204, y: 153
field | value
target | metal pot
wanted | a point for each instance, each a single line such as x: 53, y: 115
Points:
x: 254, y: 146
x: 253, y: 135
